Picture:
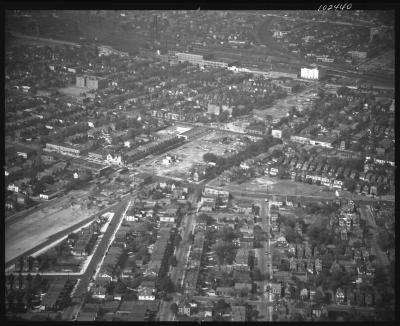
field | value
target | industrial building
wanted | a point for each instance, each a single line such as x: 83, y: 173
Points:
x: 91, y: 82
x: 199, y: 59
x: 313, y: 73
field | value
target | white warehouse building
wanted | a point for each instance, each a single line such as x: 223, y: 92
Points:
x: 314, y: 73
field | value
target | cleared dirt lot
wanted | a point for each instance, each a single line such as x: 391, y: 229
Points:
x: 192, y: 153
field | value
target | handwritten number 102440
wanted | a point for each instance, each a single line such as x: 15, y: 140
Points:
x: 339, y: 6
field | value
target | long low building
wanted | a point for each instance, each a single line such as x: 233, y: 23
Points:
x: 199, y: 59
x: 149, y: 148
x: 319, y: 141
x: 63, y: 149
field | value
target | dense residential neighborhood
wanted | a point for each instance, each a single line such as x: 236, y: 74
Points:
x: 218, y: 166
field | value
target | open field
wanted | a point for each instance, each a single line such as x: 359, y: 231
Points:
x: 275, y: 186
x: 384, y: 61
x: 73, y: 91
x: 281, y: 107
x: 32, y: 230
x: 272, y: 185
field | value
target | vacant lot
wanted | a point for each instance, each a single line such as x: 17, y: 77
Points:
x: 281, y: 107
x: 192, y: 153
x: 73, y: 91
x: 271, y: 185
x: 384, y: 61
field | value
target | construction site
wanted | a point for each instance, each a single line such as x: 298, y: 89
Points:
x: 178, y: 162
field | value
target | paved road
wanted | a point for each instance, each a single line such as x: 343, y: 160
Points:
x: 101, y: 248
x: 368, y: 216
x: 267, y: 268
x: 84, y: 280
x: 178, y: 272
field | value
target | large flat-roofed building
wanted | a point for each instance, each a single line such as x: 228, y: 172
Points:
x: 95, y: 82
x: 276, y: 133
x: 190, y: 57
x: 215, y: 64
x: 323, y: 141
x: 91, y: 82
x: 199, y: 59
x: 313, y: 73
x: 358, y: 54
x: 300, y: 139
x: 208, y: 191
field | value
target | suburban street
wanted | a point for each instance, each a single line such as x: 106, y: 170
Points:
x: 267, y: 267
x: 81, y: 288
x: 178, y: 272
x: 367, y: 215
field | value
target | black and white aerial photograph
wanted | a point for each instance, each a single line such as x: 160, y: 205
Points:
x: 199, y: 165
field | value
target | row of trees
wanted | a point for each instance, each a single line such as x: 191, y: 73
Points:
x: 16, y: 297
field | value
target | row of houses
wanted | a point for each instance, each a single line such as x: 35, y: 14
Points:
x: 126, y: 310
x: 144, y: 150
x: 330, y: 176
x: 119, y: 158
x: 158, y: 257
x: 322, y: 141
x: 107, y: 270
x: 213, y: 198
x: 193, y: 265
x: 84, y: 237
